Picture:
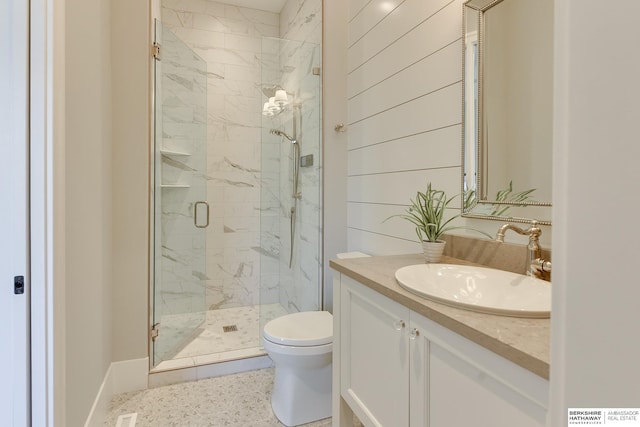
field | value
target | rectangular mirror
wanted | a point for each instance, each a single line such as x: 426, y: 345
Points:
x: 508, y: 109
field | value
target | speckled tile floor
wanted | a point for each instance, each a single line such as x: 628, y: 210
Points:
x: 238, y: 400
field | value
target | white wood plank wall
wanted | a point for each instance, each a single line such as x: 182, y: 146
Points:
x: 404, y: 114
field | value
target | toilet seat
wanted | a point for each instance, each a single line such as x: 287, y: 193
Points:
x: 290, y: 350
x: 304, y: 329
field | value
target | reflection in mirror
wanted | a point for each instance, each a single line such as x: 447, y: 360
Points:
x: 508, y: 94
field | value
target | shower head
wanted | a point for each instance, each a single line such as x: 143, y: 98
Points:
x: 281, y: 133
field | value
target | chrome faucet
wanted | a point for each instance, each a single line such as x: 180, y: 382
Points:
x: 536, y: 266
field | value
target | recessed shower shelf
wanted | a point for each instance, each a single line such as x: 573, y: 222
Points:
x: 175, y: 186
x: 173, y: 153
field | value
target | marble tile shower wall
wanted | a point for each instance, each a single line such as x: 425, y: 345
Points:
x: 271, y: 202
x: 301, y: 23
x: 183, y: 116
x: 229, y: 38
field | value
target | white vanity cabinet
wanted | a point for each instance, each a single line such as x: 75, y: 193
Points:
x: 374, y: 356
x: 395, y: 368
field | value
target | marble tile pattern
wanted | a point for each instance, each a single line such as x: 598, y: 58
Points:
x: 213, y: 339
x: 297, y: 52
x: 180, y: 183
x: 237, y: 400
x: 302, y: 20
x: 229, y: 38
x: 209, y: 337
x: 248, y: 182
x: 248, y: 171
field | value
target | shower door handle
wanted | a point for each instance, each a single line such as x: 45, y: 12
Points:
x: 195, y: 214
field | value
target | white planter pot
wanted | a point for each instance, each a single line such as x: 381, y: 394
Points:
x: 433, y: 250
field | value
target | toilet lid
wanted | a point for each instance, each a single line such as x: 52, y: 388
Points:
x: 301, y: 329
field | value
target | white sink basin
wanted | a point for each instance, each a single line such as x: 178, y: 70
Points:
x: 478, y: 289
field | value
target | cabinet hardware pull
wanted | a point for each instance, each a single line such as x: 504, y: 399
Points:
x: 399, y: 325
x: 414, y: 334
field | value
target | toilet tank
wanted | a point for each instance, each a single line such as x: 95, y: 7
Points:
x: 356, y: 254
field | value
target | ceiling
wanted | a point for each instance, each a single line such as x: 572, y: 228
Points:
x: 269, y: 5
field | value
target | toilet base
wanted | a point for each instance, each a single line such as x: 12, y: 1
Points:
x: 301, y: 396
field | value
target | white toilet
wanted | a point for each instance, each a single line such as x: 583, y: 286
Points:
x: 300, y: 345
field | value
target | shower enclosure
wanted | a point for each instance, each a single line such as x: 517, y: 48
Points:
x: 290, y: 210
x: 236, y: 196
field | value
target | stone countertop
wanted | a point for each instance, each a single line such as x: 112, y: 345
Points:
x: 525, y: 342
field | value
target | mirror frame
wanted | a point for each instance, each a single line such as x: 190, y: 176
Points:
x: 481, y: 7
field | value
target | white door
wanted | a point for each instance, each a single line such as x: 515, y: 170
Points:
x: 14, y: 214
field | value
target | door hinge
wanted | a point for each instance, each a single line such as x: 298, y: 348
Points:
x: 155, y: 331
x: 316, y: 71
x: 155, y: 51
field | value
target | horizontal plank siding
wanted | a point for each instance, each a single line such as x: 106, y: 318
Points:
x: 404, y: 116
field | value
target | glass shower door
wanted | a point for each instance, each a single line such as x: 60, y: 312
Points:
x: 181, y: 213
x: 291, y: 203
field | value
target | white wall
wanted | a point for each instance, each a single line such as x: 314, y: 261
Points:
x: 405, y: 117
x: 594, y: 345
x: 130, y: 196
x: 88, y: 166
x: 334, y: 144
x: 404, y: 114
x: 47, y: 220
x: 14, y: 217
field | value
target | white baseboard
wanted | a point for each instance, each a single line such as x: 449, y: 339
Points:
x: 100, y: 407
x: 130, y: 375
x: 121, y: 377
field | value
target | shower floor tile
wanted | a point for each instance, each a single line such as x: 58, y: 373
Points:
x: 210, y: 340
x: 238, y: 400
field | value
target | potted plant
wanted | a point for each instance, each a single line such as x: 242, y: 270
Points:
x: 427, y: 213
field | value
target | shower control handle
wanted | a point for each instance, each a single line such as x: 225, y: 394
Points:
x: 195, y: 214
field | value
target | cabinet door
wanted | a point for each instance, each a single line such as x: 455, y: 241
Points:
x: 455, y: 382
x: 374, y: 356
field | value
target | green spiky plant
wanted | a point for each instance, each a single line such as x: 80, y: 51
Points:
x: 427, y: 211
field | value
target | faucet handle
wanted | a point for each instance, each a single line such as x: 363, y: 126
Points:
x: 534, y: 231
x: 540, y: 268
